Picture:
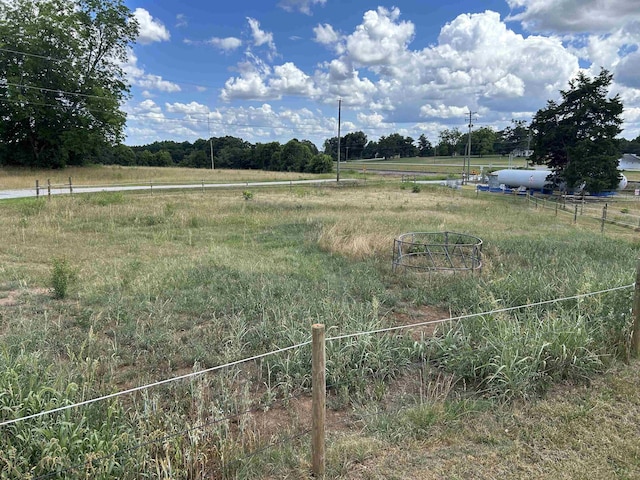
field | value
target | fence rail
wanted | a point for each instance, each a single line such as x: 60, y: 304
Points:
x: 604, y: 215
x: 71, y: 188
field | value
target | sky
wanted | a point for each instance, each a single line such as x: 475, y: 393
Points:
x: 273, y: 70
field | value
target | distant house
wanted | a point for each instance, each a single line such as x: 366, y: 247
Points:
x: 629, y: 161
x: 521, y: 152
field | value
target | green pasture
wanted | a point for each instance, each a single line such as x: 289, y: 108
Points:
x: 447, y: 167
x: 437, y: 164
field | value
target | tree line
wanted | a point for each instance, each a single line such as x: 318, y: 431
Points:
x: 303, y: 155
x: 228, y: 152
x: 450, y: 142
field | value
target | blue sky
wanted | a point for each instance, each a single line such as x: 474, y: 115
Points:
x: 267, y: 70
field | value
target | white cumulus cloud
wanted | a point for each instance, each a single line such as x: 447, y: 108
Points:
x: 227, y: 44
x: 138, y: 77
x: 574, y: 16
x: 443, y: 111
x: 260, y: 37
x: 192, y: 108
x: 250, y: 86
x: 381, y: 39
x: 151, y: 29
x: 148, y: 106
x: 156, y: 82
x: 326, y: 35
x: 290, y: 80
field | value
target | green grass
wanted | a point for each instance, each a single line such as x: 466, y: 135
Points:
x: 436, y: 167
x: 176, y: 282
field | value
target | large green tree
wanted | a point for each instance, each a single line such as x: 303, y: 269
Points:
x: 295, y: 156
x: 61, y: 81
x: 513, y: 138
x: 424, y: 146
x: 396, y: 144
x: 352, y: 146
x: 448, y: 140
x: 576, y: 138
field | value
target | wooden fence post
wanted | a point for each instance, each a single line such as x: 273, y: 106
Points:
x: 70, y: 186
x: 319, y: 388
x: 49, y: 188
x: 575, y: 214
x: 37, y: 188
x: 604, y: 218
x: 635, y: 313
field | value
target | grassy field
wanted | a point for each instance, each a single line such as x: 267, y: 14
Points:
x: 440, y: 166
x: 104, y: 292
x: 445, y: 166
x: 15, y: 178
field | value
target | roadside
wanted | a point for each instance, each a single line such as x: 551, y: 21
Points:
x: 43, y: 191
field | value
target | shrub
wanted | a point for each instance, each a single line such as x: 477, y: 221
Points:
x: 63, y: 276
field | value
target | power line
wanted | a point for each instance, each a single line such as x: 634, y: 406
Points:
x: 326, y: 130
x: 390, y: 127
x: 20, y: 85
x: 44, y: 57
x: 47, y: 57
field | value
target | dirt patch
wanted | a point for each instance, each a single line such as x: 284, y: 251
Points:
x: 11, y: 297
x: 411, y: 315
x: 298, y: 412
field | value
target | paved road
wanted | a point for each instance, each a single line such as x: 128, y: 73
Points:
x: 31, y: 192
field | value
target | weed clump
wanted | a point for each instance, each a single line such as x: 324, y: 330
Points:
x: 63, y: 276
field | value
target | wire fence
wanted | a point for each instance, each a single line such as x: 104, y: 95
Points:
x: 70, y: 188
x: 127, y: 452
x: 578, y: 208
x: 286, y: 436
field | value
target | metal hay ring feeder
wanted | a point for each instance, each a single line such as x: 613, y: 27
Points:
x: 438, y: 251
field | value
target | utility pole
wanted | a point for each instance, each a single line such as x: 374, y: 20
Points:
x: 210, y: 141
x: 339, y: 111
x: 468, y: 159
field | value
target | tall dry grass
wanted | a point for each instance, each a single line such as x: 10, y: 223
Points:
x: 355, y: 240
x: 96, y: 175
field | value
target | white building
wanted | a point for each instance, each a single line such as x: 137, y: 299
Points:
x: 629, y: 161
